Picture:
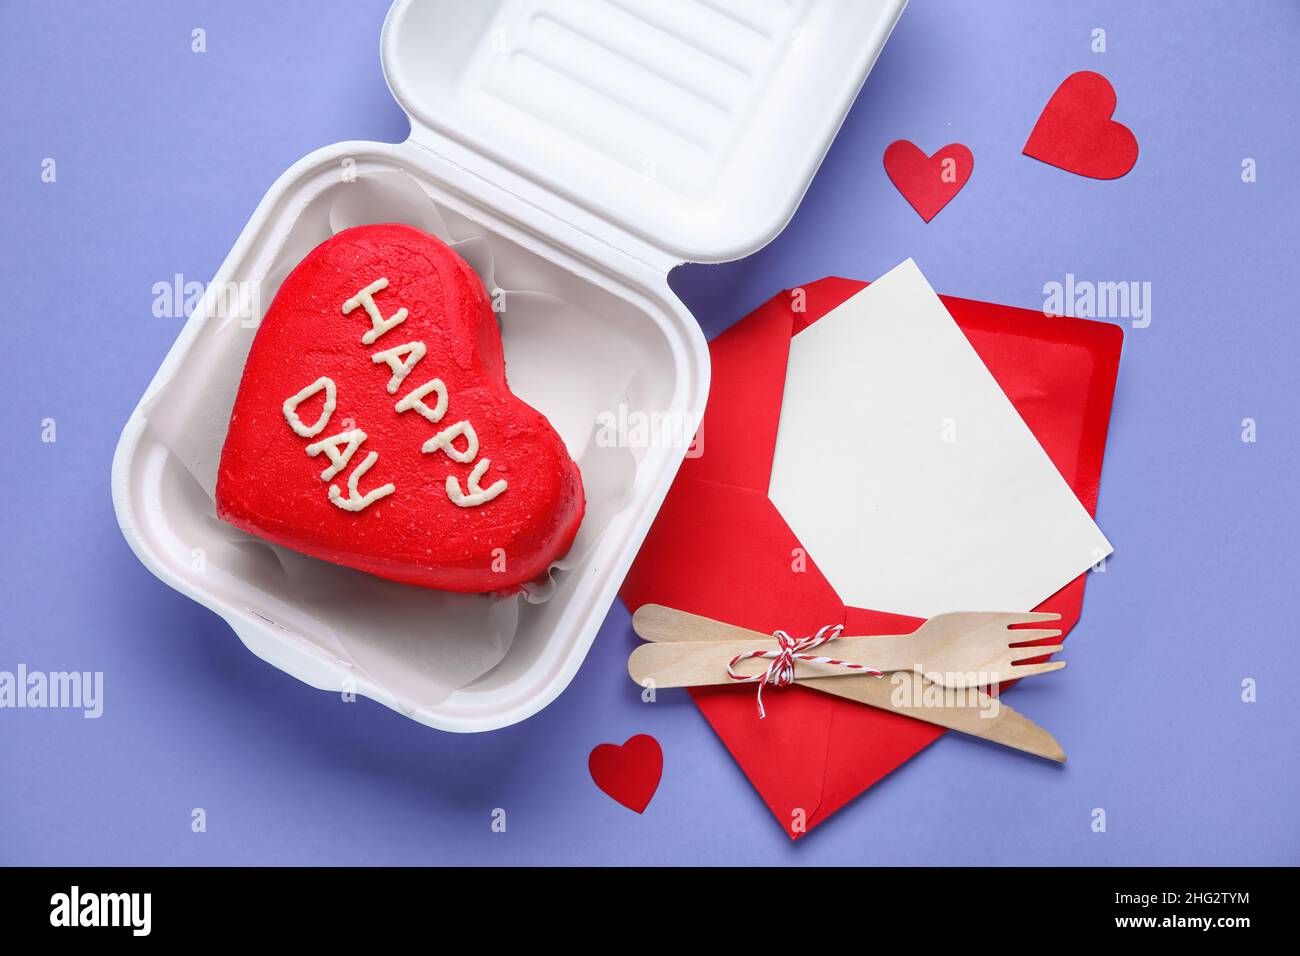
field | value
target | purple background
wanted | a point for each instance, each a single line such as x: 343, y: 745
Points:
x: 162, y: 155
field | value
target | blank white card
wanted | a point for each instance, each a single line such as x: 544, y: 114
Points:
x: 907, y: 473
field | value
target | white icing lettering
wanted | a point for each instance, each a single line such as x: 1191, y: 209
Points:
x: 291, y: 407
x: 378, y: 324
x: 477, y: 495
x: 341, y: 449
x: 415, y: 400
x: 443, y: 442
x: 338, y: 461
x: 401, y: 368
x: 355, y: 501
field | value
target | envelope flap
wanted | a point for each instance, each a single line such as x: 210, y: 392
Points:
x: 737, y: 436
x: 734, y: 559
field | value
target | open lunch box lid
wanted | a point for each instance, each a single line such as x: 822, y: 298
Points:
x: 689, y: 127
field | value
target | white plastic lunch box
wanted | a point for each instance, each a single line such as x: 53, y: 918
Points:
x: 597, y: 144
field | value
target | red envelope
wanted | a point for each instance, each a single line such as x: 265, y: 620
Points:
x: 720, y: 548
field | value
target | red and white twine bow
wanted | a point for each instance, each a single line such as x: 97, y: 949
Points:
x: 780, y: 673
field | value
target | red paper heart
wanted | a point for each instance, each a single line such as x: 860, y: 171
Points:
x: 1076, y: 133
x: 447, y: 522
x: 630, y: 773
x: 928, y: 182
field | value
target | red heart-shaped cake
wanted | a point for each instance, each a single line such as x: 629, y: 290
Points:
x: 374, y: 428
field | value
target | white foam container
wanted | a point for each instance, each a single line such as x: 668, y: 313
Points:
x: 599, y: 143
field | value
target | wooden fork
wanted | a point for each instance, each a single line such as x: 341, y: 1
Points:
x: 964, y: 649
